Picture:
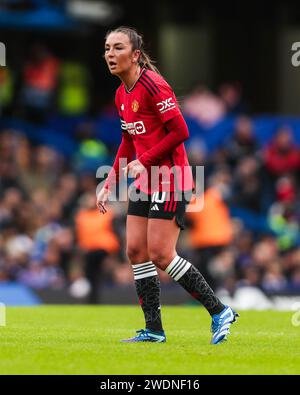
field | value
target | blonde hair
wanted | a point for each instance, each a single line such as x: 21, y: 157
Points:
x: 137, y: 43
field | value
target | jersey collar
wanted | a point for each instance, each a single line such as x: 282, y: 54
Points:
x: 131, y: 89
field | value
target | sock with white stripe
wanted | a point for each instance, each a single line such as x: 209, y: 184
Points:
x: 194, y: 283
x: 148, y: 290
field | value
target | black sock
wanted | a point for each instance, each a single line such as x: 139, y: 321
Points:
x: 194, y: 283
x: 148, y: 290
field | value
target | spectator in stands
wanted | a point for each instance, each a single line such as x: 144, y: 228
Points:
x: 40, y: 77
x: 249, y: 277
x: 273, y: 280
x: 284, y: 214
x: 46, y: 273
x: 6, y: 89
x: 96, y: 239
x: 243, y: 244
x: 43, y: 171
x: 211, y: 229
x: 222, y: 267
x: 67, y: 192
x: 48, y: 223
x: 247, y: 186
x: 264, y: 252
x: 242, y: 142
x: 281, y: 155
x: 294, y: 282
x: 231, y: 95
x: 91, y: 152
x: 73, y: 89
x: 204, y: 106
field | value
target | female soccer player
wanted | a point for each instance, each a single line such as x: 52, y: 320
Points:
x: 154, y: 130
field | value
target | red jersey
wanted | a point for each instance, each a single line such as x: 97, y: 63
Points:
x: 145, y: 110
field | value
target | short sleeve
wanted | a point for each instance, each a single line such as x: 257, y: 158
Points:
x: 165, y: 102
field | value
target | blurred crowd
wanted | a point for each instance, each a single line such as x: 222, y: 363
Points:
x: 52, y: 235
x: 209, y: 107
x: 45, y: 84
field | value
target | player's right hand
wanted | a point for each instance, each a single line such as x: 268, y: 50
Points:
x: 102, y: 199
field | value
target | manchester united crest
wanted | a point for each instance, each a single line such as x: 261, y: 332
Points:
x: 135, y: 105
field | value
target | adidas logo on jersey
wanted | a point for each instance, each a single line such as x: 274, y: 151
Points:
x: 155, y: 207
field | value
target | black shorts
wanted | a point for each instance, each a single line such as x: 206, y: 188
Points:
x: 163, y: 205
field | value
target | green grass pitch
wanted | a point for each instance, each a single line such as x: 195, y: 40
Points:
x: 85, y: 340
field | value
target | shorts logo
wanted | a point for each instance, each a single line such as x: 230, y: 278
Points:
x: 135, y: 105
x: 157, y: 199
x: 166, y: 105
x: 133, y: 127
x: 170, y: 203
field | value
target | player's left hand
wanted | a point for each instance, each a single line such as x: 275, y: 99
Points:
x: 133, y: 169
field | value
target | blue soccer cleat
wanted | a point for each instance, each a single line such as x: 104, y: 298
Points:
x: 146, y: 335
x: 221, y: 323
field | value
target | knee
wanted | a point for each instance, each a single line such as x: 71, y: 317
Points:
x: 136, y: 254
x: 161, y: 258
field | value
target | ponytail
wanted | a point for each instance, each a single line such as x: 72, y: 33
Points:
x: 146, y: 61
x: 137, y: 42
